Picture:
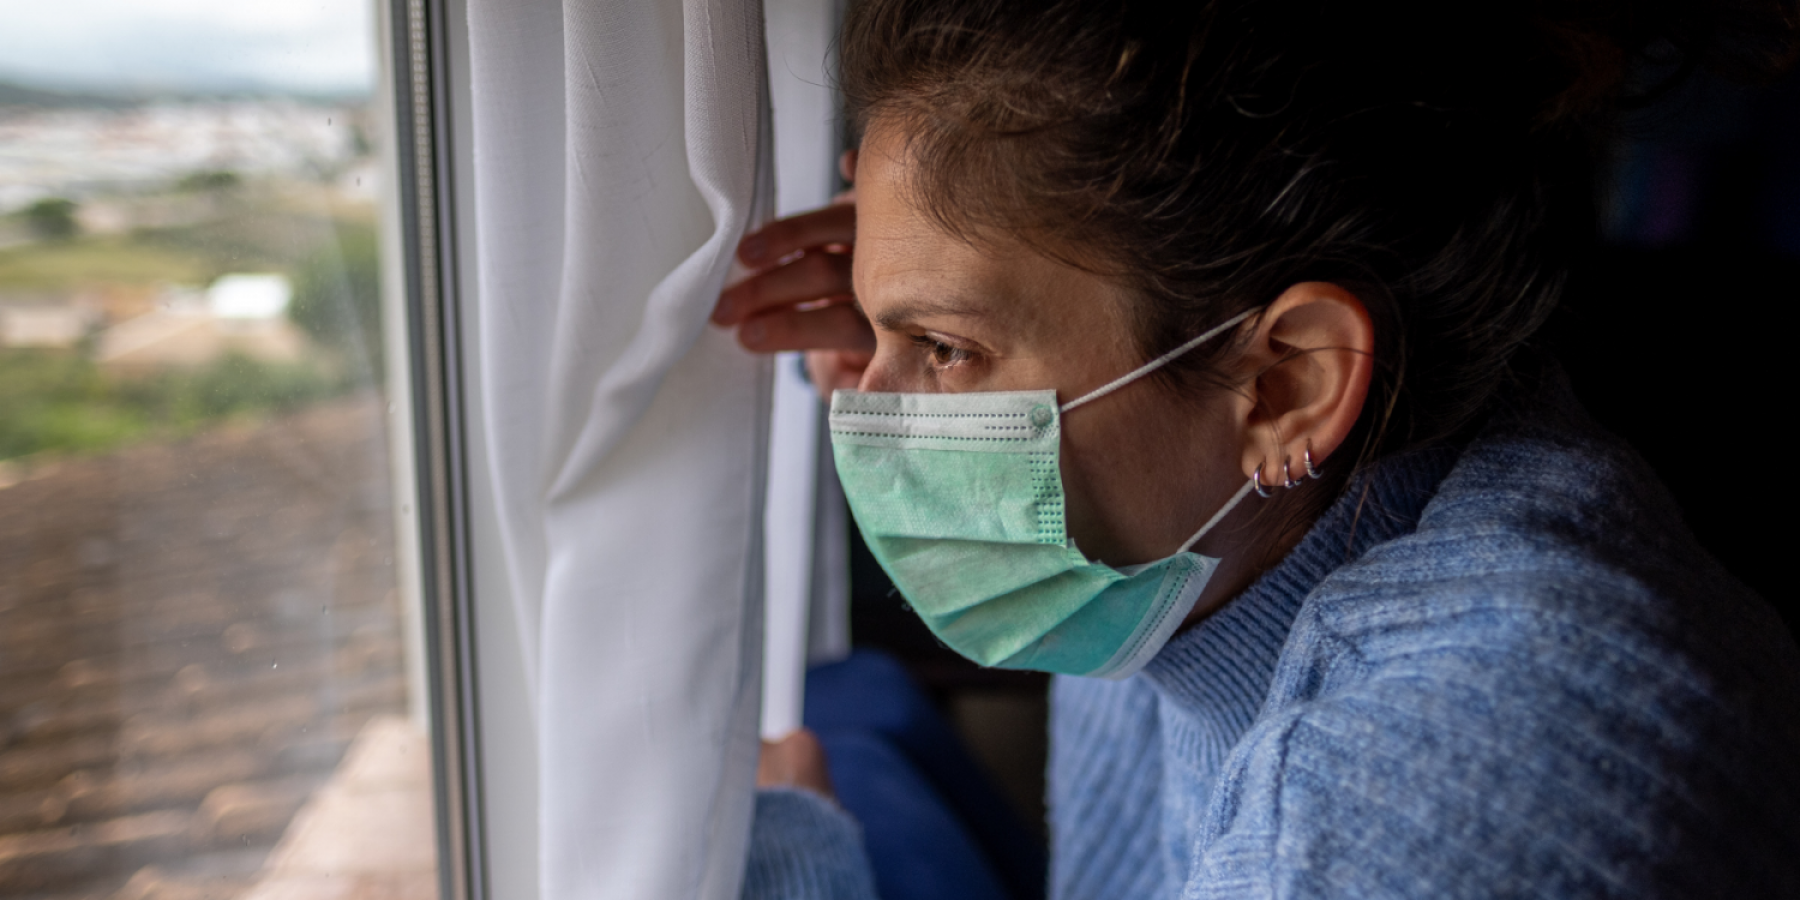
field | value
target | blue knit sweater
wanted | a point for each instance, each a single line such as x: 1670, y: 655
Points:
x: 1500, y: 671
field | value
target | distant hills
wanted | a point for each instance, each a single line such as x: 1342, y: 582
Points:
x: 15, y: 96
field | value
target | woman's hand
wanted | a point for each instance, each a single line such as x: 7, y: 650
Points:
x: 795, y: 761
x: 799, y: 295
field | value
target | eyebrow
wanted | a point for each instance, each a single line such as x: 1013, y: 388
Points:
x: 903, y: 313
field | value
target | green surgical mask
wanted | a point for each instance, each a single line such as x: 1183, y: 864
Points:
x: 960, y: 498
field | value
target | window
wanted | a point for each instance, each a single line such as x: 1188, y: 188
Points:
x: 213, y: 647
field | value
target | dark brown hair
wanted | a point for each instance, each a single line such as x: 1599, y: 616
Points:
x: 1432, y: 157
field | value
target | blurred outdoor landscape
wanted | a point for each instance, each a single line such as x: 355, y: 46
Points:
x: 122, y: 229
x: 203, y: 689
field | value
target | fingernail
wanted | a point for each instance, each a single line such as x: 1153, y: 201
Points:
x: 753, y: 332
x: 722, y: 312
x: 753, y: 248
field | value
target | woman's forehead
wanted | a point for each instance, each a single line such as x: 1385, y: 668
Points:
x: 908, y: 266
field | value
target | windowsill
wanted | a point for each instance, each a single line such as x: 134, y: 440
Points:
x: 367, y: 833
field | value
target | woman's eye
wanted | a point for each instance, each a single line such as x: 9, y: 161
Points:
x: 942, y: 355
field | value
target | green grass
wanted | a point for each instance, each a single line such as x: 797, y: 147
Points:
x: 248, y: 238
x: 56, y: 402
x: 61, y: 403
x: 71, y: 265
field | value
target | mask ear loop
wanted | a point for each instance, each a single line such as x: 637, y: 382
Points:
x: 1152, y: 366
x: 1217, y: 517
x: 1158, y: 362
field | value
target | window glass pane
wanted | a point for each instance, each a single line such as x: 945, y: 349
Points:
x: 206, y: 683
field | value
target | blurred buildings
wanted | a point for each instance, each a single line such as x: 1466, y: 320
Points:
x: 241, y: 314
x: 82, y: 153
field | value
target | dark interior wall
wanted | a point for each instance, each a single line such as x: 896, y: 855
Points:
x: 1673, y: 332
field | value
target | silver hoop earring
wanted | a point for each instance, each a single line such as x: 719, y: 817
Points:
x: 1287, y: 480
x: 1307, y: 459
x: 1256, y: 479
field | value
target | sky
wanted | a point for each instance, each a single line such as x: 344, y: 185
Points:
x: 307, y: 46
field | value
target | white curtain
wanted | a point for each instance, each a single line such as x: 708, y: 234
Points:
x: 621, y: 148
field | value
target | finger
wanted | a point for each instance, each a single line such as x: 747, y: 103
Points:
x: 797, y: 760
x: 835, y: 327
x: 771, y: 766
x: 831, y: 225
x: 814, y: 276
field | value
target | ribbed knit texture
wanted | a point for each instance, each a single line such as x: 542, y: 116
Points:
x: 1193, y: 703
x: 805, y: 846
x: 1500, y: 671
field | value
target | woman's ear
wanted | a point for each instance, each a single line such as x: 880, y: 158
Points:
x: 1309, y: 365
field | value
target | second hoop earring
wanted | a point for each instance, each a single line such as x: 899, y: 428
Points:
x: 1307, y: 460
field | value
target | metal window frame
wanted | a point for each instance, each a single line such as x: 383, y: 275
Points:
x: 423, y: 129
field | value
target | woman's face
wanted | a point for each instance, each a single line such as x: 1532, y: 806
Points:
x: 1142, y: 467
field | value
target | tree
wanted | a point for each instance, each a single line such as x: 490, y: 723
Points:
x: 215, y: 181
x: 337, y: 300
x: 53, y: 219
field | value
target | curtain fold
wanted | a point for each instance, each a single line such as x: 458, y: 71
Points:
x: 621, y: 148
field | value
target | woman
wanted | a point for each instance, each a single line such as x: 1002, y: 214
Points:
x: 1190, y: 358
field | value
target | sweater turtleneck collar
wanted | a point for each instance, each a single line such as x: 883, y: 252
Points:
x: 1221, y: 667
